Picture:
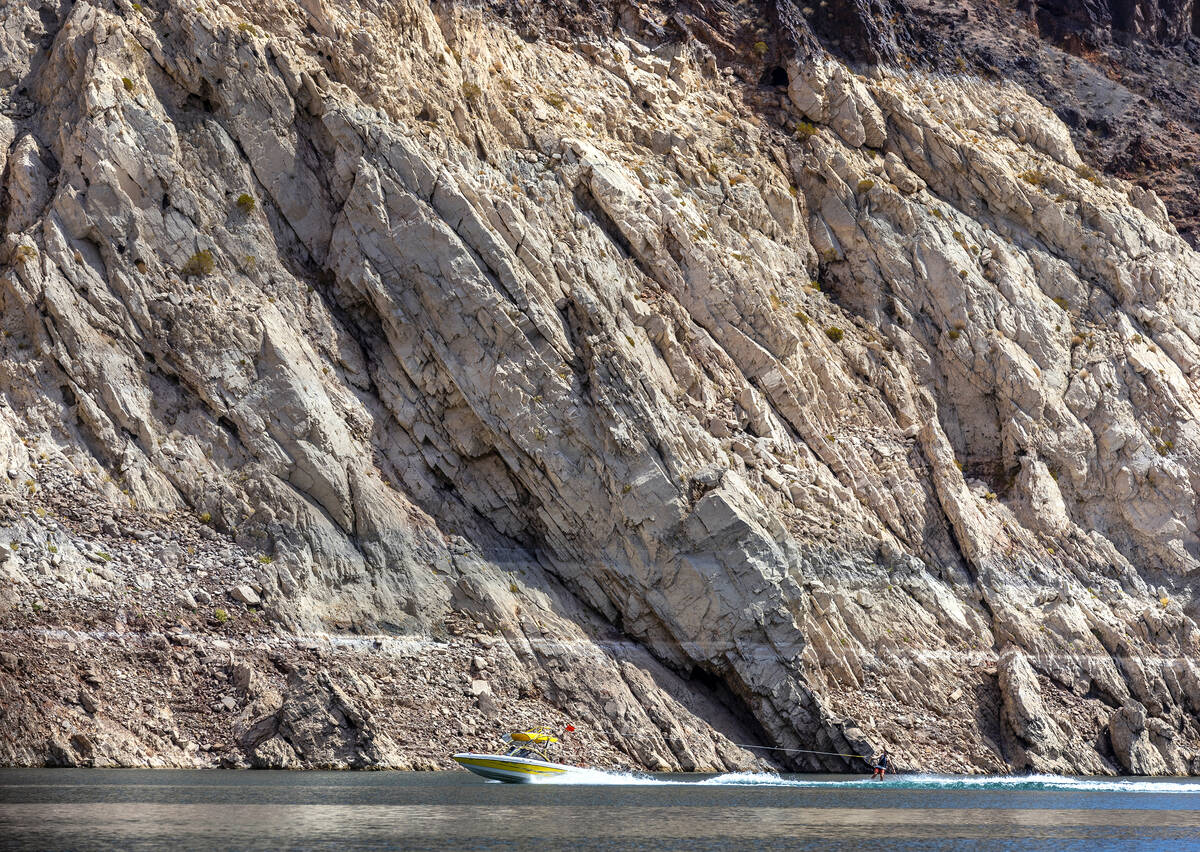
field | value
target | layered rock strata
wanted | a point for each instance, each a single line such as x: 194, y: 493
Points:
x: 850, y: 402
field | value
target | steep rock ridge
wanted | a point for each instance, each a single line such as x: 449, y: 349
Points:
x: 843, y: 391
x: 1164, y: 21
x: 1129, y: 96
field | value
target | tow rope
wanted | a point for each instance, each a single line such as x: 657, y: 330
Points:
x: 780, y: 748
x: 803, y: 750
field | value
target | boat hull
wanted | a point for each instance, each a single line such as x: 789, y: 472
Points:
x: 511, y: 770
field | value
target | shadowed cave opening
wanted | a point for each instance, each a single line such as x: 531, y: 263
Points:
x: 1123, y: 12
x: 774, y: 76
x: 716, y: 688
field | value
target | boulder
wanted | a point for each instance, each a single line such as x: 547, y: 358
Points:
x: 246, y: 595
x: 1130, y: 738
x: 1038, y: 739
x: 88, y: 701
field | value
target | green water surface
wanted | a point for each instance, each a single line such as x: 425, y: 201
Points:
x: 161, y: 810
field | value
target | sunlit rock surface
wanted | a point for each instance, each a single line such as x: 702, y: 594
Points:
x: 829, y: 408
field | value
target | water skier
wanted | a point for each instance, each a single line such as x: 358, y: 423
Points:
x: 882, y: 765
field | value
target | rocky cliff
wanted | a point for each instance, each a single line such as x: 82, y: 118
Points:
x: 379, y: 375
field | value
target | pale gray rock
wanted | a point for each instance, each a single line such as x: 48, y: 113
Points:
x: 1127, y: 730
x: 831, y: 427
x: 245, y: 594
x: 241, y: 675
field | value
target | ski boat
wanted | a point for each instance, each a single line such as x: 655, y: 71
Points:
x: 509, y: 768
x: 526, y: 759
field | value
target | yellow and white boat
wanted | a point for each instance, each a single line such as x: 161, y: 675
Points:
x: 526, y: 760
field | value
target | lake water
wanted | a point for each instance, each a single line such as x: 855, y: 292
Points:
x: 161, y: 810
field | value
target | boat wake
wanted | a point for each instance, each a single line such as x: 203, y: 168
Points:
x: 922, y: 781
x: 604, y: 777
x: 918, y: 781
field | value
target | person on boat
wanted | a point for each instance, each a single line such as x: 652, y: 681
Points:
x: 882, y: 764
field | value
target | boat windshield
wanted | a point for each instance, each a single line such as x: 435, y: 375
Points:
x: 523, y: 750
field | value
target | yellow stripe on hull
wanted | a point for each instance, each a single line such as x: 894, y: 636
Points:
x: 513, y: 770
x: 525, y: 767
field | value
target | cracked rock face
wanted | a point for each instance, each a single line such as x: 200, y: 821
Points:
x: 854, y: 396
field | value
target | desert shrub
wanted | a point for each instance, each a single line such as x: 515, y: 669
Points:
x: 555, y: 100
x: 805, y: 130
x: 201, y: 263
x: 471, y: 91
x: 221, y: 616
x: 835, y: 334
x: 127, y: 83
x: 245, y: 203
x: 866, y: 185
x: 1034, y: 177
x: 760, y: 47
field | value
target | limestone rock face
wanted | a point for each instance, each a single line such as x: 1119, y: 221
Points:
x: 1025, y: 713
x: 1131, y: 741
x: 821, y: 391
